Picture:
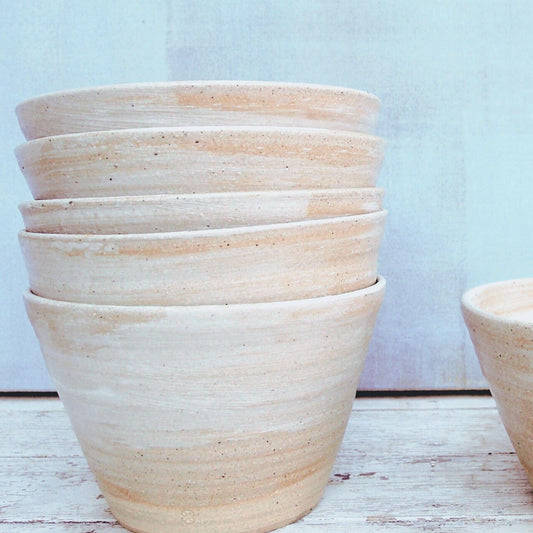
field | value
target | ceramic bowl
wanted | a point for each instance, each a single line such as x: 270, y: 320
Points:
x: 217, y: 266
x: 209, y: 418
x: 196, y: 160
x: 198, y: 103
x: 499, y: 317
x: 164, y: 213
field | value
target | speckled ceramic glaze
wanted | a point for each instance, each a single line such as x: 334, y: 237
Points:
x: 209, y: 418
x: 198, y: 103
x: 499, y: 317
x: 147, y: 214
x: 198, y: 160
x: 230, y: 265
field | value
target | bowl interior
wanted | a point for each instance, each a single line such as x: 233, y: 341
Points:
x: 510, y: 300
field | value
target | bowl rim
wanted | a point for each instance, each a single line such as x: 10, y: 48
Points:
x: 88, y: 201
x: 284, y: 85
x: 289, y: 131
x: 376, y: 216
x: 376, y: 288
x: 468, y: 302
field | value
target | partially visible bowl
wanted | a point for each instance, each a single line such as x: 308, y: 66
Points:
x: 499, y: 317
x: 217, y: 266
x: 198, y: 103
x: 209, y: 418
x: 198, y: 160
x: 167, y: 213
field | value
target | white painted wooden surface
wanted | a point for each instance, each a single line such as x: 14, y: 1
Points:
x: 406, y: 464
x: 456, y: 83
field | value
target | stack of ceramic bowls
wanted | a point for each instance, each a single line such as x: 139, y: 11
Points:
x: 202, y: 261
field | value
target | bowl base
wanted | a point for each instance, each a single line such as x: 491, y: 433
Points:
x: 259, y: 515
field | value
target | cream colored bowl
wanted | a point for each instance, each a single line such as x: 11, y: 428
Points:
x: 164, y: 213
x: 209, y: 418
x: 198, y: 160
x: 220, y: 266
x: 198, y: 103
x: 499, y: 317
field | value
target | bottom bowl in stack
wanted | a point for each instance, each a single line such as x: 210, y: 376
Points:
x: 210, y: 417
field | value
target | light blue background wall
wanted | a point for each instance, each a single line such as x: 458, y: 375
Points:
x: 456, y: 82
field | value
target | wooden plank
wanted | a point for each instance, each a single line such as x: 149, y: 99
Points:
x: 381, y: 403
x: 365, y: 426
x: 57, y: 527
x: 371, y: 488
x: 10, y: 404
x: 512, y: 525
x: 413, y: 464
x: 447, y: 525
x: 53, y: 488
x: 415, y: 402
